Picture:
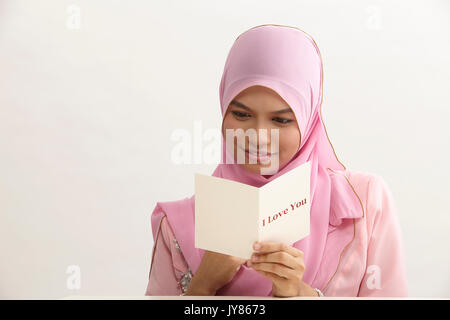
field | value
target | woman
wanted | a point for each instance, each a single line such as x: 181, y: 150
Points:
x: 272, y: 80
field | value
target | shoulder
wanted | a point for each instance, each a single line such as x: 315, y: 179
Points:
x: 177, y: 208
x: 361, y: 179
x: 371, y: 188
x: 165, y: 229
x: 362, y: 182
x: 376, y: 189
x: 172, y: 206
x: 374, y: 193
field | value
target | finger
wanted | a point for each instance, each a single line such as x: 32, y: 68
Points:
x: 278, y: 269
x: 267, y: 247
x: 272, y: 276
x: 281, y: 257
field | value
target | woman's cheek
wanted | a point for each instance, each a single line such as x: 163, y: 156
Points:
x: 289, y: 143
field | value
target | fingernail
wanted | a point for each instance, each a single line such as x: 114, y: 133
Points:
x: 257, y: 246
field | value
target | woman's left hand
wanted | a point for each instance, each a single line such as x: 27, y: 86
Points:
x: 283, y: 265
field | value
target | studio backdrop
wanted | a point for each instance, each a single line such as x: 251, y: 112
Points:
x: 95, y: 95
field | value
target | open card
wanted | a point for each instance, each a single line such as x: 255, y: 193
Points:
x: 230, y: 216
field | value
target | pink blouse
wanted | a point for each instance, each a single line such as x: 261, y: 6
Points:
x: 372, y: 264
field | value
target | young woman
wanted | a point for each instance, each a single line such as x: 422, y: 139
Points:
x: 272, y: 80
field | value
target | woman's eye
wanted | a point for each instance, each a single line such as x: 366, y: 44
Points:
x: 240, y: 114
x: 282, y: 120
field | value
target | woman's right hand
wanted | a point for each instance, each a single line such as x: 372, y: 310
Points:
x: 215, y: 271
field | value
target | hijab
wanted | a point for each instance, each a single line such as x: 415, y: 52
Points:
x: 286, y: 60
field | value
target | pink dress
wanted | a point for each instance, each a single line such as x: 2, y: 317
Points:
x: 371, y: 264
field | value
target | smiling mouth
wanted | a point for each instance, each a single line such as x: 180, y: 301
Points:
x: 259, y: 158
x: 254, y: 153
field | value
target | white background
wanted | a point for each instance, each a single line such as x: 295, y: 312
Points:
x: 86, y: 117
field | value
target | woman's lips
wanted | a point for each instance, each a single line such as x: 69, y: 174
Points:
x: 253, y: 155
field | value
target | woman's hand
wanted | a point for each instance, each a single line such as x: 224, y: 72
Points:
x: 215, y: 271
x: 283, y: 265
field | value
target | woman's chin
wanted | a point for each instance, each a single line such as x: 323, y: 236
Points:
x: 256, y: 167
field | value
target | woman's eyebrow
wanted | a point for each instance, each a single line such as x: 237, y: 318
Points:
x: 283, y: 111
x: 243, y: 106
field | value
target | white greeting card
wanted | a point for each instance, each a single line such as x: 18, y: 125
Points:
x: 230, y: 216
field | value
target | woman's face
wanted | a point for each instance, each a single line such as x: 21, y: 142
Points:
x: 259, y: 107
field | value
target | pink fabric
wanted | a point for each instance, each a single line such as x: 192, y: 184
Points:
x: 167, y: 265
x: 372, y: 264
x: 288, y: 61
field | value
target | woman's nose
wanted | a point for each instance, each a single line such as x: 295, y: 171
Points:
x: 263, y: 135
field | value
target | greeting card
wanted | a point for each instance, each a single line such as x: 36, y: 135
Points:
x: 230, y: 216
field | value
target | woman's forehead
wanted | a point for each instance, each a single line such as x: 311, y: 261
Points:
x: 260, y: 98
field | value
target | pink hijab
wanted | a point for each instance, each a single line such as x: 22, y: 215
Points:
x: 288, y: 61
